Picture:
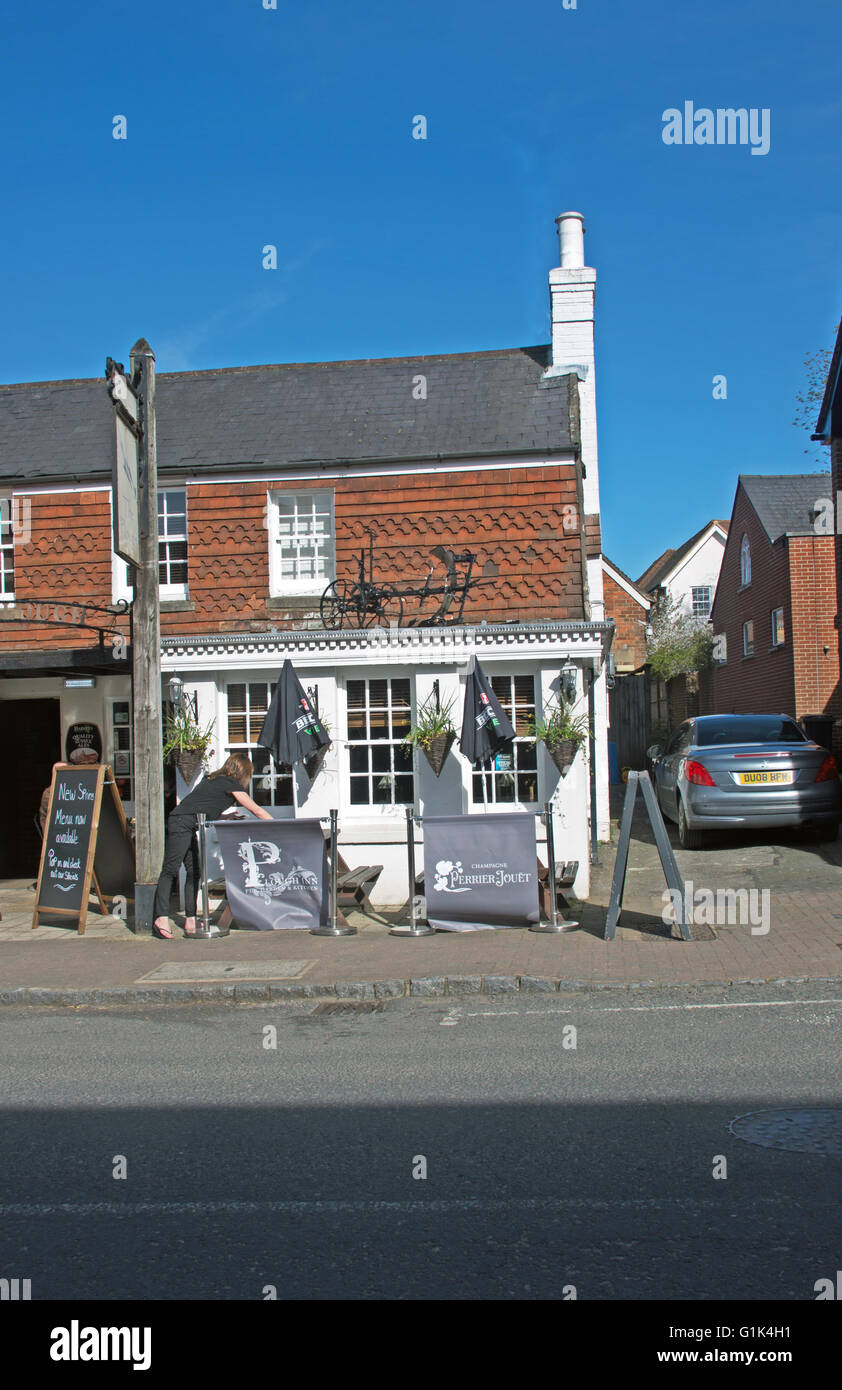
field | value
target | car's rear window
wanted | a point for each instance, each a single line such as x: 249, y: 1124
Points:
x: 746, y: 728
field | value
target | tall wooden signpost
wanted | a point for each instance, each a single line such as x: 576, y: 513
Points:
x: 135, y: 506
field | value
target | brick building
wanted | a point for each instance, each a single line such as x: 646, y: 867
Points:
x: 627, y: 607
x: 271, y: 481
x: 774, y: 610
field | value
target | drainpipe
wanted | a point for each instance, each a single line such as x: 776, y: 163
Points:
x: 592, y: 764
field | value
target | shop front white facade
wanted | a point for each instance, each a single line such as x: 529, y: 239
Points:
x: 370, y: 685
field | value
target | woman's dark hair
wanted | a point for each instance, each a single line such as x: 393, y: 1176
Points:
x: 238, y: 766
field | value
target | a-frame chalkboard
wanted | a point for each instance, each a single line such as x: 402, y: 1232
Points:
x: 86, y: 842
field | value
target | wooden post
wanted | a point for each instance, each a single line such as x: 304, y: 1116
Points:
x: 146, y: 658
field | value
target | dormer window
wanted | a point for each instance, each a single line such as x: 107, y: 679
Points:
x: 745, y: 562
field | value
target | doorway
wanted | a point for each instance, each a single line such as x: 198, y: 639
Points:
x: 30, y: 742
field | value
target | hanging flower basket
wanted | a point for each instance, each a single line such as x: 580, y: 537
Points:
x: 437, y: 749
x: 186, y: 743
x: 434, y: 732
x: 189, y: 762
x: 561, y: 733
x: 563, y: 754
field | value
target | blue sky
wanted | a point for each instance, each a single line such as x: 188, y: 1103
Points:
x: 292, y: 126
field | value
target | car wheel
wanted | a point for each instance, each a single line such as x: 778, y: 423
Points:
x: 688, y: 839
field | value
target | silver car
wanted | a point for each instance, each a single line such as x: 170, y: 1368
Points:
x: 745, y: 771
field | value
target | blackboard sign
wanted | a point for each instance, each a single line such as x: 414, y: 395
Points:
x: 86, y: 840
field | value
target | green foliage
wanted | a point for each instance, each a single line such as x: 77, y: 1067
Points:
x: 557, y: 724
x: 431, y: 723
x: 808, y: 400
x: 182, y: 734
x: 677, y: 644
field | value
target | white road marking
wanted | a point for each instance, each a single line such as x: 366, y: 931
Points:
x: 450, y: 1020
x: 659, y: 1008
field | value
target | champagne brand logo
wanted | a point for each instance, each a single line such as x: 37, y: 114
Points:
x: 452, y: 878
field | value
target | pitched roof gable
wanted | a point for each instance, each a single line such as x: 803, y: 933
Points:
x: 785, y: 503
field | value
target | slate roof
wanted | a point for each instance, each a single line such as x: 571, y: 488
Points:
x: 785, y: 504
x: 478, y: 404
x: 658, y: 572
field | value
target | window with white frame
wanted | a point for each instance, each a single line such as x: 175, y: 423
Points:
x: 702, y: 596
x: 777, y: 627
x: 748, y: 638
x: 512, y: 774
x: 301, y: 542
x: 172, y: 543
x: 379, y: 718
x: 248, y: 702
x: 121, y: 748
x: 172, y: 550
x: 745, y: 561
x: 7, y: 551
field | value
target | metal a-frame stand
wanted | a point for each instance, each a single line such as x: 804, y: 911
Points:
x: 667, y: 857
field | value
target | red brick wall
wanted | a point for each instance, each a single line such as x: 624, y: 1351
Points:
x: 512, y: 519
x: 816, y: 650
x: 629, y: 620
x: 836, y: 485
x: 62, y: 560
x: 764, y: 683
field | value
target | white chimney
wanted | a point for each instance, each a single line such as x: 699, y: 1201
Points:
x: 572, y: 291
x: 571, y: 230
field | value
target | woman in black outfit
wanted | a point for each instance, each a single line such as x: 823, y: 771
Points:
x: 214, y: 794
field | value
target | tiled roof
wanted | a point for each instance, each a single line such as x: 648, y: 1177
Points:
x: 785, y: 505
x: 477, y: 404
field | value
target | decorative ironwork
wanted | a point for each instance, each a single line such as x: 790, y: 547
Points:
x: 368, y: 603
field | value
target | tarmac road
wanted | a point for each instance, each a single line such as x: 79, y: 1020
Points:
x: 251, y: 1168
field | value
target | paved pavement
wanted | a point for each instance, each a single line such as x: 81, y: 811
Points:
x: 794, y: 932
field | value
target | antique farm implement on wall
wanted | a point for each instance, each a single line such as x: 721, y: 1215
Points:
x: 368, y: 603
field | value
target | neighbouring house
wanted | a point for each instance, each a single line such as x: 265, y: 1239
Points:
x: 690, y: 573
x: 829, y: 431
x: 688, y: 576
x: 271, y: 480
x: 627, y: 606
x: 774, y: 610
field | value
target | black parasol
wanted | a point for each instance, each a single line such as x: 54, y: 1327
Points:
x: 292, y: 730
x: 485, y: 727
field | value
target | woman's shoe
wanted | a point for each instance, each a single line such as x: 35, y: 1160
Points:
x: 190, y: 931
x: 164, y: 933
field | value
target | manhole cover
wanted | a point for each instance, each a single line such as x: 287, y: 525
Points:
x: 343, y: 1007
x: 214, y: 971
x: 799, y: 1131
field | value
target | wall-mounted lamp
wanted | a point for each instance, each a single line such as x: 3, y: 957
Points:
x: 568, y: 681
x: 179, y: 699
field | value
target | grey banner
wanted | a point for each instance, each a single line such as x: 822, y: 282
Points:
x: 275, y: 875
x: 480, y: 871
